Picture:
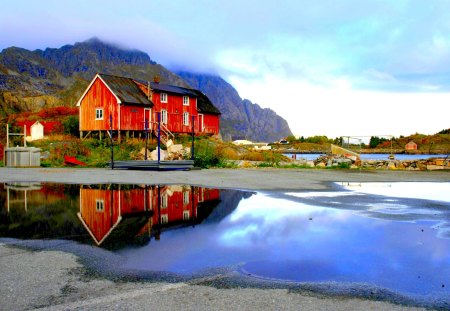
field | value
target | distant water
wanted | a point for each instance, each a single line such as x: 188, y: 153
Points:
x: 371, y: 156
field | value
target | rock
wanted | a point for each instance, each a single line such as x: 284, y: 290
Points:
x: 174, y: 148
x: 142, y: 152
x: 310, y: 163
x: 434, y: 167
x: 391, y: 166
x: 154, y: 155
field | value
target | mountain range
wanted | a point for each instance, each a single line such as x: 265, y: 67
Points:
x: 32, y: 80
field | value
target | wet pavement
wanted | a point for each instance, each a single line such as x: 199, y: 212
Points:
x: 385, y: 241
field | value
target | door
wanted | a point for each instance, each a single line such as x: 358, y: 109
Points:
x: 147, y: 118
x: 200, y: 123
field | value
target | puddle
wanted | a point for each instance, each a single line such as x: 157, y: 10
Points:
x: 392, y: 236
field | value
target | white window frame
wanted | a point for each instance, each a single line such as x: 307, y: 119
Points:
x: 100, y: 205
x: 98, y: 113
x: 186, y: 215
x: 164, y: 200
x: 186, y: 118
x: 185, y: 100
x: 164, y: 97
x: 164, y: 116
x: 186, y: 198
x: 164, y: 219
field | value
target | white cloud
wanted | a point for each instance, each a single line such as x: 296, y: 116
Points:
x: 338, y: 110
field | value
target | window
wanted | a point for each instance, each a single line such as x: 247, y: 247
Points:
x: 98, y: 113
x: 164, y: 97
x: 164, y: 116
x: 186, y: 100
x: 186, y: 118
x: 186, y: 215
x: 164, y: 201
x: 99, y: 205
x: 186, y: 197
x: 200, y: 194
x: 164, y: 219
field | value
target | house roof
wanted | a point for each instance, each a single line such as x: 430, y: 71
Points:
x: 126, y: 90
x: 159, y: 87
x: 203, y: 103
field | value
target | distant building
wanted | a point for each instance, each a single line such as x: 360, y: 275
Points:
x: 242, y: 142
x: 37, y: 130
x: 411, y: 146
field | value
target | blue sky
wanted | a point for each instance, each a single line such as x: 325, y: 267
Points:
x: 333, y: 68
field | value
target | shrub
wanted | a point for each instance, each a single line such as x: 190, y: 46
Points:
x: 344, y: 165
x: 206, y: 155
x: 228, y: 153
x: 71, y: 126
x: 253, y: 156
x: 272, y: 158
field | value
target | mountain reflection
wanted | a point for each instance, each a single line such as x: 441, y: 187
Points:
x: 118, y: 214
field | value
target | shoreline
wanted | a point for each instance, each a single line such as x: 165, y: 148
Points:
x: 56, y: 279
x: 264, y: 179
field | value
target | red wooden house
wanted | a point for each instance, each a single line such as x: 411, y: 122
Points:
x: 411, y: 146
x: 109, y: 214
x: 129, y: 105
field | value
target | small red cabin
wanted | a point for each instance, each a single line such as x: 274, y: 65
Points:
x: 126, y: 104
x: 411, y: 146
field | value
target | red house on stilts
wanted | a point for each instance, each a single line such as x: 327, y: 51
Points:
x: 114, y: 214
x: 130, y: 106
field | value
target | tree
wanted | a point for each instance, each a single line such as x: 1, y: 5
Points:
x: 71, y: 126
x: 291, y: 139
x: 374, y: 141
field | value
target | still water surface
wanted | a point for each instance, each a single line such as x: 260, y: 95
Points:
x: 394, y: 236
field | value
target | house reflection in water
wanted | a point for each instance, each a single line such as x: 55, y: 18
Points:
x: 119, y: 215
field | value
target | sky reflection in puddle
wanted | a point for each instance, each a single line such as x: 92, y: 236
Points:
x: 394, y: 236
x: 393, y: 242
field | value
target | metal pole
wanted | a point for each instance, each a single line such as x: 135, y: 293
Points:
x: 193, y: 139
x: 5, y: 161
x: 158, y: 230
x: 146, y: 137
x: 111, y: 137
x: 193, y: 206
x: 159, y: 137
x: 24, y: 135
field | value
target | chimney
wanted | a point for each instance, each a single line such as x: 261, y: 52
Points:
x: 156, y: 78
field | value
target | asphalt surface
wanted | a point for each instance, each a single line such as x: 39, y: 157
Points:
x: 251, y: 179
x: 56, y: 279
